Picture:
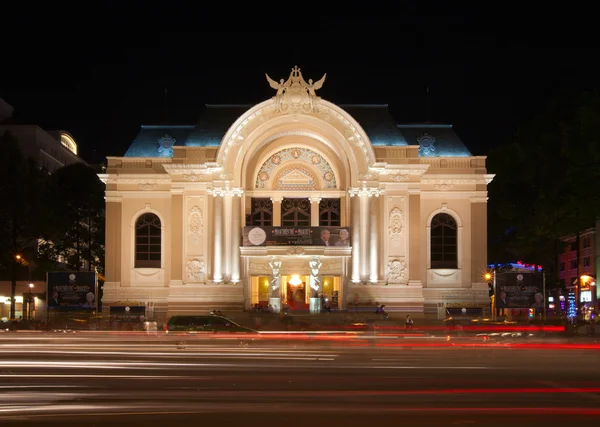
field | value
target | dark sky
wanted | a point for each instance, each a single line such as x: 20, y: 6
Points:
x: 100, y: 72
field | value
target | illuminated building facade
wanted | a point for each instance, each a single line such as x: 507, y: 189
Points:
x: 295, y: 201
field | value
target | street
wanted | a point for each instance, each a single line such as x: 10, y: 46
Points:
x: 132, y: 379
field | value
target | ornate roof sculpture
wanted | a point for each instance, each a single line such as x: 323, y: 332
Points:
x: 295, y: 94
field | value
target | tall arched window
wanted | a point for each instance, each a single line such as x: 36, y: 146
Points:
x: 262, y: 212
x: 329, y: 213
x: 295, y: 213
x: 444, y: 241
x: 147, y: 241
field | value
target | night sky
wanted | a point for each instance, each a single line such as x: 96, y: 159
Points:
x: 102, y: 73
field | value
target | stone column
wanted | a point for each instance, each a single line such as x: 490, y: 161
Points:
x: 364, y: 235
x: 478, y: 238
x: 414, y: 236
x: 236, y: 231
x: 227, y: 235
x: 315, y: 284
x: 218, y: 238
x: 355, y: 214
x: 374, y: 238
x: 176, y: 248
x: 276, y: 210
x: 113, y: 218
x: 314, y: 211
x: 275, y: 285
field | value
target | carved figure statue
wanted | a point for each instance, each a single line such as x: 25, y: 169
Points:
x: 315, y: 282
x: 296, y: 94
x: 280, y: 87
x: 275, y: 265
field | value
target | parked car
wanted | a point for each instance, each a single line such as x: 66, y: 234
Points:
x: 207, y: 324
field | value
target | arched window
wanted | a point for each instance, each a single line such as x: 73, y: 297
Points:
x: 262, y: 212
x: 147, y: 241
x: 329, y: 213
x: 444, y: 241
x: 295, y: 213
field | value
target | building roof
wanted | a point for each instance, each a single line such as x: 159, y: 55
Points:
x: 215, y: 120
x: 435, y: 140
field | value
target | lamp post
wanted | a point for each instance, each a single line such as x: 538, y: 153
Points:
x: 30, y: 301
x: 492, y: 293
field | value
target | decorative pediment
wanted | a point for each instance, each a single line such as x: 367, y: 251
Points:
x: 295, y: 178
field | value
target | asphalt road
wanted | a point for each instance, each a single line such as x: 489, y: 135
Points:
x: 131, y: 380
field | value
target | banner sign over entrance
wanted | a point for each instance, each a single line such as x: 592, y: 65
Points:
x: 296, y: 236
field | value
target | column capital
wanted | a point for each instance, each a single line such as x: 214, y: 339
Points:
x: 276, y: 199
x: 315, y: 199
x: 365, y: 191
x: 224, y: 191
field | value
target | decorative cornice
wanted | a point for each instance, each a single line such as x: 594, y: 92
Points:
x: 224, y: 191
x: 365, y: 191
x: 192, y: 169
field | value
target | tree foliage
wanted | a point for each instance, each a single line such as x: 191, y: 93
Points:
x: 74, y: 228
x: 547, y: 182
x: 21, y: 183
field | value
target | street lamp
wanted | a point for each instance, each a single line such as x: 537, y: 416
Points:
x: 30, y: 301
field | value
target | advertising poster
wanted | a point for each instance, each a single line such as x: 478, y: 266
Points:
x: 72, y: 291
x: 295, y: 236
x: 519, y: 290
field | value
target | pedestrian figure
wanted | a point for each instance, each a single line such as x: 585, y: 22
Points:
x: 409, y: 322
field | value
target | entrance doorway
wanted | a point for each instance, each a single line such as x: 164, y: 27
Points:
x: 296, y: 293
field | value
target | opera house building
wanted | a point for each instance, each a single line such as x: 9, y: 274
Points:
x: 294, y: 202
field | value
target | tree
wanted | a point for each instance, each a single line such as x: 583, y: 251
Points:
x: 21, y: 182
x: 547, y: 183
x: 74, y: 198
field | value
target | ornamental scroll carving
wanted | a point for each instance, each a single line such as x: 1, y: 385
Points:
x: 196, y: 271
x: 397, y: 272
x: 195, y: 224
x: 396, y: 226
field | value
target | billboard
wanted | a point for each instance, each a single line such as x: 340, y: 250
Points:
x: 294, y: 236
x: 519, y: 290
x: 72, y: 291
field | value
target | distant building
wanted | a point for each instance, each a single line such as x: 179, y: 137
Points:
x: 589, y: 259
x: 51, y: 150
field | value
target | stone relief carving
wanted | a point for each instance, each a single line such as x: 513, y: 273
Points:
x: 296, y: 94
x: 443, y: 187
x: 398, y: 177
x: 275, y: 162
x: 193, y: 177
x: 196, y: 271
x: 259, y: 267
x: 195, y: 223
x: 368, y: 176
x: 147, y: 186
x: 396, y: 226
x: 397, y: 272
x: 165, y: 144
x: 426, y: 144
x: 295, y: 250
